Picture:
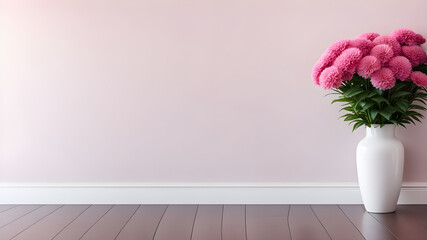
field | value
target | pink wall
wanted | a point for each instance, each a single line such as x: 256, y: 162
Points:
x: 161, y: 91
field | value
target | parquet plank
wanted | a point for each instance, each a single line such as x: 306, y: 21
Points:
x: 15, y: 213
x: 52, y: 224
x: 267, y: 222
x: 370, y: 228
x: 234, y: 222
x: 110, y: 225
x: 402, y: 226
x: 143, y: 224
x: 304, y: 224
x: 83, y: 223
x: 13, y: 229
x: 207, y: 225
x: 177, y: 223
x: 336, y: 222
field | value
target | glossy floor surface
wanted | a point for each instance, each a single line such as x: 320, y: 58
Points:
x: 210, y: 222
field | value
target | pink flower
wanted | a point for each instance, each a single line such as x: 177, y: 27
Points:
x: 328, y: 57
x: 330, y: 78
x: 367, y: 66
x: 383, y: 52
x: 415, y: 54
x: 315, y: 73
x: 419, y: 78
x: 383, y: 79
x: 346, y: 76
x: 408, y: 37
x: 348, y: 60
x: 368, y: 36
x: 363, y: 45
x: 389, y: 40
x: 419, y: 39
x: 401, y: 67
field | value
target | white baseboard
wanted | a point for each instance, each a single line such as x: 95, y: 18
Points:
x: 198, y: 193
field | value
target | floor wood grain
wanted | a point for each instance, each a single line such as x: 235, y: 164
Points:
x: 304, y: 224
x: 233, y: 222
x: 143, y: 224
x: 207, y: 225
x: 370, y: 228
x: 210, y: 222
x: 49, y: 226
x: 79, y: 226
x: 267, y: 222
x: 336, y: 222
x: 402, y: 225
x: 4, y: 208
x: 13, y: 214
x: 415, y: 212
x: 177, y: 223
x: 110, y: 224
x: 21, y: 224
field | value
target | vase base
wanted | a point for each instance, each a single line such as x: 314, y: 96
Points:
x: 381, y: 211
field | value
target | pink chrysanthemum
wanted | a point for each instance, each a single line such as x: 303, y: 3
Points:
x: 348, y: 60
x: 389, y: 40
x: 419, y: 39
x: 419, y: 78
x: 415, y: 54
x: 408, y: 37
x: 315, y: 73
x: 346, y: 76
x: 401, y: 67
x: 328, y: 57
x: 368, y: 36
x: 363, y: 45
x: 367, y: 66
x: 330, y: 78
x: 383, y: 79
x: 383, y: 52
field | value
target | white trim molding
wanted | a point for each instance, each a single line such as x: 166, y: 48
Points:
x: 196, y: 193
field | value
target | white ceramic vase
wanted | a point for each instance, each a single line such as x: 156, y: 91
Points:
x: 380, y: 158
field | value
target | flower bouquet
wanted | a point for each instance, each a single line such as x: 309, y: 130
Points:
x: 381, y: 82
x: 379, y: 79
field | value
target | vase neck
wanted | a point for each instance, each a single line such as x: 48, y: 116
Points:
x: 386, y: 131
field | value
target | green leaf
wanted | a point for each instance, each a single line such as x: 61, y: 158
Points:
x: 414, y: 106
x: 361, y: 97
x: 387, y: 112
x: 339, y: 100
x: 400, y: 94
x: 413, y: 113
x: 410, y: 120
x: 398, y: 87
x: 350, y: 109
x: 371, y: 94
x: 402, y: 105
x: 367, y: 106
x: 352, y: 92
x: 421, y: 95
x: 385, y: 115
x: 380, y: 100
x: 373, y: 114
x: 351, y: 117
x: 357, y: 125
x: 420, y: 100
x: 415, y: 118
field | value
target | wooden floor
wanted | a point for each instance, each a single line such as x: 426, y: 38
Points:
x: 210, y: 222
